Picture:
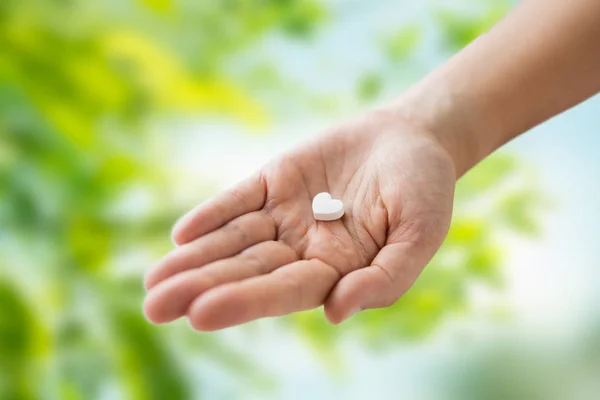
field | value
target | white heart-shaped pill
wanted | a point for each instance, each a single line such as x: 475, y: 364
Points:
x: 327, y: 209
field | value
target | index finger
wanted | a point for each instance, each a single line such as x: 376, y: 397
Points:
x: 245, y: 197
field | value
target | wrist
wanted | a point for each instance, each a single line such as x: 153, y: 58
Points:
x: 436, y: 108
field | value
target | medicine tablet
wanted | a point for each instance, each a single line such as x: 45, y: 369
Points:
x: 327, y: 209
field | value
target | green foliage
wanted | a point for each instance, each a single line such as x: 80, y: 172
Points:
x: 369, y: 87
x: 144, y: 361
x: 79, y: 83
x: 21, y: 344
x: 160, y: 6
x: 459, y: 27
x: 399, y: 45
x: 299, y: 20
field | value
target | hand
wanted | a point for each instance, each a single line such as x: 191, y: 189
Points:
x: 256, y: 251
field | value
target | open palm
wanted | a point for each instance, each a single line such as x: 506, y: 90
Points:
x: 256, y: 250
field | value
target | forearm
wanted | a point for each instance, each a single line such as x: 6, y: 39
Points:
x: 539, y: 61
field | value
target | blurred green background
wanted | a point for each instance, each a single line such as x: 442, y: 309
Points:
x: 118, y: 116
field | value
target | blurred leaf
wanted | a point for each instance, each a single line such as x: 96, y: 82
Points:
x: 146, y: 368
x: 488, y: 175
x: 369, y: 87
x: 517, y: 208
x: 159, y: 5
x: 89, y: 241
x: 167, y: 85
x: 21, y: 343
x: 459, y: 28
x: 465, y: 232
x: 399, y: 45
x: 302, y: 17
x: 485, y: 261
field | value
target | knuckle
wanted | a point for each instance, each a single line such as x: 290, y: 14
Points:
x: 236, y: 229
x: 278, y: 248
x: 389, y: 278
x: 253, y: 259
x: 267, y: 256
x: 253, y: 225
x: 266, y: 225
x: 207, y: 278
x: 237, y: 195
x: 387, y: 287
x: 288, y: 254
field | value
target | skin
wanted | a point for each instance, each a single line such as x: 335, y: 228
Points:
x: 256, y: 251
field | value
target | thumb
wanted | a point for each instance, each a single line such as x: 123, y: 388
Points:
x: 390, y: 275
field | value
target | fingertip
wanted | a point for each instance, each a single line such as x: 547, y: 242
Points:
x: 202, y: 312
x: 334, y: 307
x: 175, y: 238
x: 217, y: 309
x: 333, y: 317
x: 200, y: 324
x: 344, y: 300
x: 157, y: 273
x: 151, y: 311
x: 147, y: 283
x: 336, y: 317
x: 178, y: 232
x: 359, y: 290
x: 191, y: 224
x: 244, y: 198
x: 152, y: 278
